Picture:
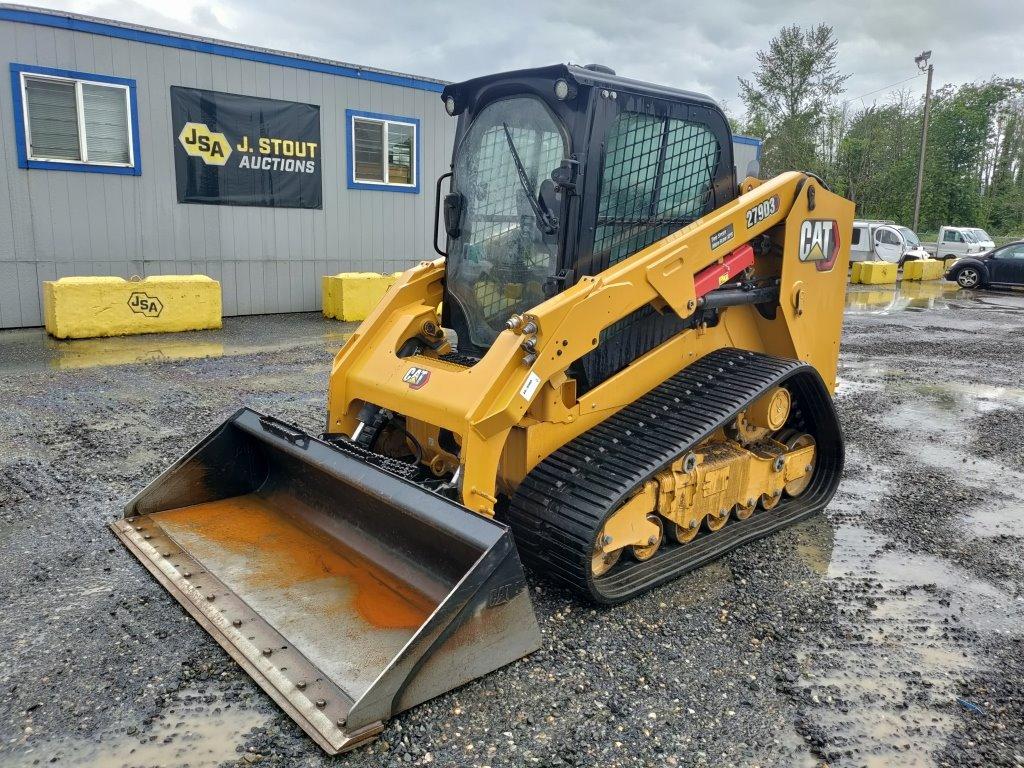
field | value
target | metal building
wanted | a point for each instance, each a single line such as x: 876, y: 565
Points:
x: 745, y: 150
x: 90, y: 144
x: 136, y: 151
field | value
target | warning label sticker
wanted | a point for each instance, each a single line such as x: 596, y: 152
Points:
x: 721, y: 237
x: 530, y: 387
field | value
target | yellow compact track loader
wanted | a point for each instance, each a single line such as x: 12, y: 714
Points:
x: 623, y: 359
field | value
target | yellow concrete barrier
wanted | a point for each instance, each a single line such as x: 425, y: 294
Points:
x: 923, y: 269
x: 876, y: 273
x: 353, y: 295
x: 855, y: 271
x: 87, y: 307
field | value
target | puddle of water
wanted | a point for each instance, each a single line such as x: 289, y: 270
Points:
x: 917, y: 296
x: 882, y: 693
x: 847, y: 386
x: 932, y: 438
x: 1005, y: 518
x: 34, y: 350
x: 93, y: 353
x: 872, y: 300
x: 199, y: 731
x: 860, y: 553
x: 982, y: 398
x: 903, y: 296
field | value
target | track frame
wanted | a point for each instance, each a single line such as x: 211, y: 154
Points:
x: 564, y: 502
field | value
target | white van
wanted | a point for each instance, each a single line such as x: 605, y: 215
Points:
x: 875, y: 240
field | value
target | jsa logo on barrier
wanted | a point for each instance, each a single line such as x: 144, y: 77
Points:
x: 199, y: 141
x: 144, y: 304
x: 416, y: 378
x: 819, y: 242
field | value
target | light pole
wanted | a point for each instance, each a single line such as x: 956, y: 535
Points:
x: 922, y: 63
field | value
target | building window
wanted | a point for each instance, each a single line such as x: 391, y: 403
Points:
x: 74, y: 121
x: 383, y: 152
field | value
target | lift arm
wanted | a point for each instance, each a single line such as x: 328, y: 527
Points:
x: 483, y: 403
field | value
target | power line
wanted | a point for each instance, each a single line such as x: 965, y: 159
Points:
x: 884, y: 88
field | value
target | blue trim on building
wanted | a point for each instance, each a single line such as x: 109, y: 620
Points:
x: 350, y: 157
x: 218, y: 49
x: 740, y: 139
x: 55, y: 165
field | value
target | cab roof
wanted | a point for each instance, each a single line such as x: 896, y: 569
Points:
x: 589, y: 76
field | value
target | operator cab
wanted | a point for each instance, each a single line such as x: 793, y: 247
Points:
x: 560, y: 172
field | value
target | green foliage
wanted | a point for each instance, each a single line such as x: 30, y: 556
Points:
x: 795, y: 83
x: 877, y: 161
x: 974, y: 164
x: 958, y: 138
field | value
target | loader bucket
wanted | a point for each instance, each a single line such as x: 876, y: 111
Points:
x: 346, y: 591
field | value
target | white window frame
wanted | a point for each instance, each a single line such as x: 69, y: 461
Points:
x: 83, y: 144
x: 387, y: 169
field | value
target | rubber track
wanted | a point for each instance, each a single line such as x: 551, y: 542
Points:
x: 558, y: 509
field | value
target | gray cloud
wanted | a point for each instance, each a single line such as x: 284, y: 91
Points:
x: 699, y: 46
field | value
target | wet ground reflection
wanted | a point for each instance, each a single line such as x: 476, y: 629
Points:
x: 32, y: 349
x: 917, y: 296
x: 198, y: 730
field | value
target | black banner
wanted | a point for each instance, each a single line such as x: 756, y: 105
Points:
x: 243, y: 150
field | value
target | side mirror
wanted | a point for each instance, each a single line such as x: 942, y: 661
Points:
x: 453, y: 205
x: 754, y: 168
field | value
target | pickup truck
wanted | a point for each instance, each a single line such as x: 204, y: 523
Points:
x: 956, y: 242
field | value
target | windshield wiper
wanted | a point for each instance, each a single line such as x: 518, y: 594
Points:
x: 547, y: 223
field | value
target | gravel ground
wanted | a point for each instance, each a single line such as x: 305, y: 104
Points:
x: 886, y: 632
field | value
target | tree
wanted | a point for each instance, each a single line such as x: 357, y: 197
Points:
x: 791, y: 98
x: 876, y: 164
x: 954, y: 164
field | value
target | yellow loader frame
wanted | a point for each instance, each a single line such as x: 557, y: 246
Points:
x: 517, y: 404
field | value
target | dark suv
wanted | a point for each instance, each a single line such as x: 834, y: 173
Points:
x: 1000, y: 266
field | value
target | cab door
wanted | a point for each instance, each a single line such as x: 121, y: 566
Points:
x: 952, y: 243
x: 888, y: 244
x: 1007, y: 265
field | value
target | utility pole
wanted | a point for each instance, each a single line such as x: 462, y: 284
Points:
x: 922, y: 63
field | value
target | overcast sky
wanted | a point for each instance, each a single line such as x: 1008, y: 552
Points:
x: 698, y: 45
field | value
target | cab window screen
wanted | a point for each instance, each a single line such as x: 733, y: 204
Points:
x: 656, y: 178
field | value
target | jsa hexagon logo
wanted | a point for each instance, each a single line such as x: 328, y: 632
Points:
x: 199, y: 141
x: 144, y: 304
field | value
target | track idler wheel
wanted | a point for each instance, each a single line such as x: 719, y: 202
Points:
x: 602, y: 561
x: 793, y: 441
x: 717, y: 522
x: 653, y: 543
x: 681, y: 534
